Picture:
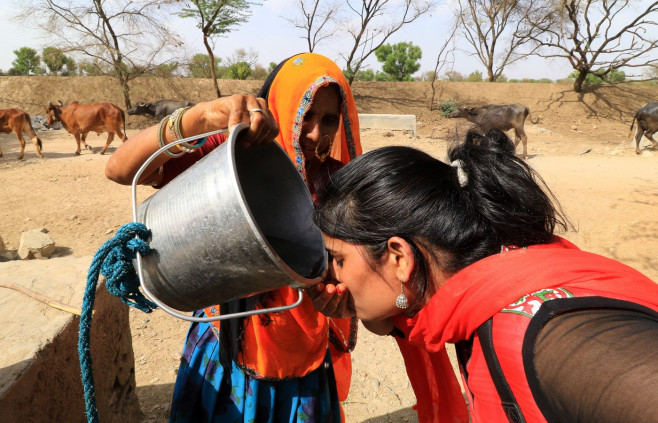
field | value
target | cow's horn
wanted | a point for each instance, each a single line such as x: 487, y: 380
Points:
x: 60, y: 102
x: 50, y: 103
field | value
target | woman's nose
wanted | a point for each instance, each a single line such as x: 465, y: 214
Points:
x: 313, y: 132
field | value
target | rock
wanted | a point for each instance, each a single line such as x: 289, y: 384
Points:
x: 36, y: 244
x: 585, y: 151
x: 574, y: 127
x: 2, y: 246
x: 39, y: 123
x: 9, y: 255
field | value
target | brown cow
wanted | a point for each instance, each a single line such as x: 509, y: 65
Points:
x: 504, y: 117
x: 18, y: 121
x: 80, y: 119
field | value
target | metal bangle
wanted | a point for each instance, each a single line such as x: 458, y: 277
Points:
x: 175, y: 130
x: 161, y: 138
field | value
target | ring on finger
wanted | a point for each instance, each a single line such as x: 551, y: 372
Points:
x: 252, y: 111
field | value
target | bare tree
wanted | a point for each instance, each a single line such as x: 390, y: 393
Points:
x: 317, y: 22
x: 497, y: 30
x: 120, y: 40
x: 651, y: 72
x: 597, y: 37
x: 216, y: 17
x: 445, y: 58
x: 377, y: 20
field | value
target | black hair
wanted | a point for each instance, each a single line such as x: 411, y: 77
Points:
x: 264, y: 91
x: 402, y: 191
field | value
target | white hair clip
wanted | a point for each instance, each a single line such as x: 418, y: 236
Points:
x: 462, y: 177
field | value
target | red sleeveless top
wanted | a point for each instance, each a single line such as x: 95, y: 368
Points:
x: 510, y: 287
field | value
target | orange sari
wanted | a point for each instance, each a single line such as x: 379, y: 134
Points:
x: 294, y: 343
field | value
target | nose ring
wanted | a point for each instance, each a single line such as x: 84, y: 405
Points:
x: 318, y: 151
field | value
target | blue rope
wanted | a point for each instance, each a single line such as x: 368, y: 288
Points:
x: 114, y: 261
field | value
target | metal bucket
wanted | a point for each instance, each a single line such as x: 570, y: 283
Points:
x: 238, y: 222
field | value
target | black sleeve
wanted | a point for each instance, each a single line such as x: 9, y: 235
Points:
x: 596, y: 365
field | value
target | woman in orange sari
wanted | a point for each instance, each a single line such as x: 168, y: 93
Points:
x: 289, y: 366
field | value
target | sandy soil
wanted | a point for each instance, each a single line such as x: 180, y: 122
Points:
x: 580, y: 147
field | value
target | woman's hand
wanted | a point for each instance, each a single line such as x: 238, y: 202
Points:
x: 229, y: 111
x: 204, y: 117
x: 332, y: 299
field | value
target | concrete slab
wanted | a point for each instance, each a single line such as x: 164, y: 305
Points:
x: 389, y: 122
x: 39, y: 366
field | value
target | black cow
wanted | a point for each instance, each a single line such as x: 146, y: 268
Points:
x: 505, y: 117
x: 159, y: 109
x: 647, y: 124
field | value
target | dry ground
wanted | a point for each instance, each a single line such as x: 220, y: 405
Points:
x: 580, y: 147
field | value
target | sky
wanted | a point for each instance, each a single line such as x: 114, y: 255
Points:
x: 274, y: 39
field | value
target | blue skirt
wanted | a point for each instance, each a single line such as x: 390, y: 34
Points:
x: 197, y: 397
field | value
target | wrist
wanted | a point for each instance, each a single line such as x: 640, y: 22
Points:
x: 196, y: 120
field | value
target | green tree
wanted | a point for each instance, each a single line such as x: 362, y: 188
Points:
x: 362, y: 75
x: 90, y: 69
x: 400, y: 60
x: 199, y: 67
x: 475, y: 76
x: 593, y: 78
x: 71, y: 67
x: 382, y: 76
x: 27, y: 60
x: 259, y: 72
x: 238, y: 70
x: 54, y: 59
x: 241, y: 64
x: 165, y: 70
x: 213, y: 18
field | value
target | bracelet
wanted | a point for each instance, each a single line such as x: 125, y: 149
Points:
x: 175, y: 131
x: 174, y: 126
x: 161, y: 138
x: 197, y: 143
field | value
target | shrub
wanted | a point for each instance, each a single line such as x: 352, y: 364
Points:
x: 475, y: 76
x: 447, y: 107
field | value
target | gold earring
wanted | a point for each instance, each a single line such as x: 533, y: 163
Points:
x: 402, y: 302
x: 323, y: 156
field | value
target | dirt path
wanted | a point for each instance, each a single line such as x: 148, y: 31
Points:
x: 609, y: 193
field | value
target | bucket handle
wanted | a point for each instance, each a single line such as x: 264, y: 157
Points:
x: 232, y: 137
